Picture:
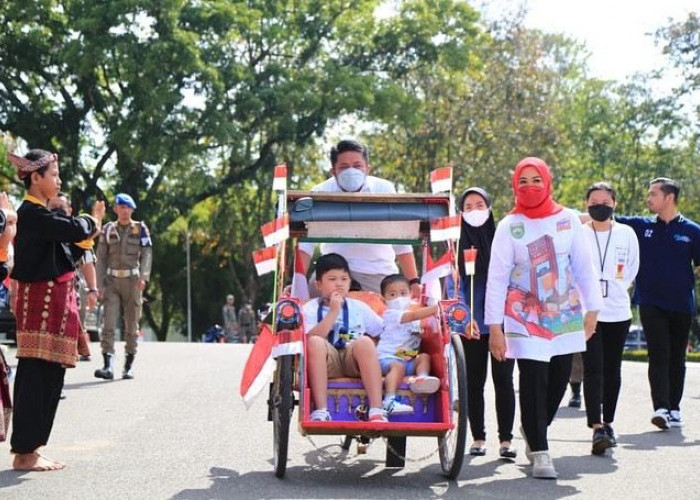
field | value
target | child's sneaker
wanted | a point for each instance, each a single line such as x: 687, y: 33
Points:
x: 320, y: 416
x: 425, y: 384
x: 395, y: 407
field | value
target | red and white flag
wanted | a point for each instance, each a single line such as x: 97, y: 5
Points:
x: 260, y: 366
x: 470, y: 261
x: 265, y: 260
x: 300, y: 286
x: 276, y: 231
x: 279, y: 181
x: 445, y: 228
x: 441, y: 179
x: 434, y: 270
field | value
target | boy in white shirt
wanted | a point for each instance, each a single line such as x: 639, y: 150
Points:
x: 336, y: 343
x: 399, y: 343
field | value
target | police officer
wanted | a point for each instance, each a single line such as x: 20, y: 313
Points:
x: 123, y: 269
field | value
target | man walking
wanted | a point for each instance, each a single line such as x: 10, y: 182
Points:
x: 228, y: 314
x: 246, y: 320
x: 669, y: 245
x: 123, y: 269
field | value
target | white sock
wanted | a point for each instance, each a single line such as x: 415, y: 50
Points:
x: 422, y: 375
x: 375, y: 411
x: 388, y: 397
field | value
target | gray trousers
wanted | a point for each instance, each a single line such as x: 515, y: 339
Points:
x: 121, y: 293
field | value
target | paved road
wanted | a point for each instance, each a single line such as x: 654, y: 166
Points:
x: 179, y: 431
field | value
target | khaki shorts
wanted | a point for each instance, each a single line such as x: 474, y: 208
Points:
x: 341, y: 362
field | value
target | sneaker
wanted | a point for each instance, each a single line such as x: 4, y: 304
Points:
x: 601, y: 441
x: 575, y: 401
x: 528, y: 453
x: 611, y: 435
x: 425, y: 385
x: 674, y: 418
x: 320, y: 416
x: 378, y: 418
x: 660, y: 419
x: 395, y: 407
x: 542, y: 466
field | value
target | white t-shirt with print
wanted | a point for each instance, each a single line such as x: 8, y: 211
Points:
x: 541, y: 281
x: 361, y: 319
x: 621, y: 263
x: 368, y: 258
x: 397, y: 337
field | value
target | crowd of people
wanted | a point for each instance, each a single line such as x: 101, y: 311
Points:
x: 550, y: 282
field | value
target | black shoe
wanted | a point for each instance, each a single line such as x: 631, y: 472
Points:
x: 611, y: 435
x: 575, y: 401
x: 127, y: 374
x: 508, y: 452
x: 477, y: 451
x: 601, y: 441
x: 107, y: 371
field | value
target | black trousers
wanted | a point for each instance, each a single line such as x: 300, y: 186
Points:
x: 477, y: 354
x: 542, y: 385
x: 602, y: 363
x: 667, y: 340
x: 38, y: 386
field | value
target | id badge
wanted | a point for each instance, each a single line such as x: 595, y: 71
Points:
x: 604, y: 287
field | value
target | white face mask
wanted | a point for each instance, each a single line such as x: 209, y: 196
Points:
x: 476, y: 218
x: 351, y: 179
x: 399, y: 303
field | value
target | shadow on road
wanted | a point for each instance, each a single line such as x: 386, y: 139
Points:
x: 652, y: 440
x: 10, y: 477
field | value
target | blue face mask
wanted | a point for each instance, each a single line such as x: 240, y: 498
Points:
x: 351, y: 179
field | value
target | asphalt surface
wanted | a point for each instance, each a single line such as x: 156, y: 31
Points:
x: 180, y: 431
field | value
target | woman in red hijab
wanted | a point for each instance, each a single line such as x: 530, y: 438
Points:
x: 542, y: 292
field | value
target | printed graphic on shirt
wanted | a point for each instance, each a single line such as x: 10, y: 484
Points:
x: 682, y: 238
x: 564, y: 225
x: 620, y: 261
x: 517, y: 230
x: 551, y: 306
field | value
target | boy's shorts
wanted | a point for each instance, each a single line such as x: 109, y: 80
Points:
x: 341, y: 362
x: 409, y: 366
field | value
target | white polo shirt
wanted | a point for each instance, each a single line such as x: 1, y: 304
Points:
x: 368, y: 258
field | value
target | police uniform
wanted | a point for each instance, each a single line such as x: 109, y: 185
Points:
x: 124, y: 256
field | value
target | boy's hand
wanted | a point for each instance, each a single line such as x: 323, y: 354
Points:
x: 335, y: 301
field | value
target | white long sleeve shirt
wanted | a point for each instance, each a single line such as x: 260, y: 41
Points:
x: 615, y: 267
x: 368, y: 258
x: 541, y: 281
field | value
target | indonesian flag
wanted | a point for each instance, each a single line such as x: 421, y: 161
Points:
x: 445, y: 228
x: 260, y: 366
x: 276, y: 231
x: 434, y: 270
x: 279, y: 181
x: 300, y: 286
x: 441, y: 179
x: 265, y: 260
x: 470, y: 261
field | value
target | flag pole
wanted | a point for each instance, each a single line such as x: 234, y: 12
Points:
x: 281, y: 246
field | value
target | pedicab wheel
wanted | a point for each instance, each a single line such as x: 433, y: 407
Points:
x: 452, y: 444
x: 282, y: 408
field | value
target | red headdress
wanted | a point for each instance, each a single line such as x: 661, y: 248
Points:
x: 25, y: 166
x: 534, y: 202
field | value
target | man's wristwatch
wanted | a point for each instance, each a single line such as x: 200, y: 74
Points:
x: 414, y: 281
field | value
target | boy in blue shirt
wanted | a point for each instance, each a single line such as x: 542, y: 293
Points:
x: 669, y: 246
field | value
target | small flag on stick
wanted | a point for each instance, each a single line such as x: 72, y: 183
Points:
x: 276, y: 231
x: 279, y: 181
x: 441, y: 179
x: 470, y: 261
x: 265, y: 260
x: 445, y: 228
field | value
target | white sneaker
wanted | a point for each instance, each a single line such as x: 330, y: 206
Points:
x: 542, y: 466
x: 425, y: 385
x: 660, y: 419
x: 674, y: 418
x: 395, y: 407
x: 320, y: 416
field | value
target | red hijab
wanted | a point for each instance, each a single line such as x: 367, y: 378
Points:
x: 534, y: 202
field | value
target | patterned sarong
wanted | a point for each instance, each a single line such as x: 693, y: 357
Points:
x: 48, y: 321
x: 5, y: 401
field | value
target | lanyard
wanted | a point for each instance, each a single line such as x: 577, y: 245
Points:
x: 605, y: 253
x: 346, y: 319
